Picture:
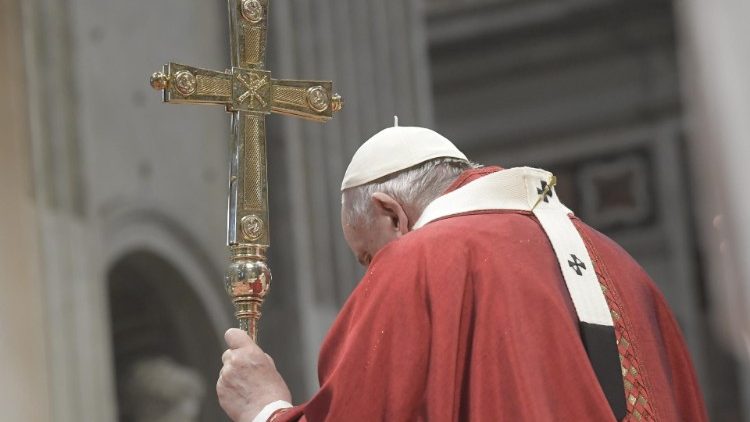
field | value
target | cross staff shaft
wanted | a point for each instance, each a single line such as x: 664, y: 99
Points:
x: 249, y: 93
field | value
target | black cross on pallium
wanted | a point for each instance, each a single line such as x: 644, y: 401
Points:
x: 576, y: 264
x: 548, y: 194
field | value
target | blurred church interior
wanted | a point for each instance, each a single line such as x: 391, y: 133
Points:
x: 114, y: 205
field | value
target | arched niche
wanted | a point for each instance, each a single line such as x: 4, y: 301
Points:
x: 155, y: 314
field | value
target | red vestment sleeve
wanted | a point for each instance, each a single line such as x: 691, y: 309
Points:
x: 373, y: 364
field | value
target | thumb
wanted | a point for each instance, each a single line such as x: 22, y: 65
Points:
x: 237, y: 338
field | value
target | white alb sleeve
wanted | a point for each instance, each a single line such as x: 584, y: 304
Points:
x: 270, y: 409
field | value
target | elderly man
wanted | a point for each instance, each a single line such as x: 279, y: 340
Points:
x: 484, y: 299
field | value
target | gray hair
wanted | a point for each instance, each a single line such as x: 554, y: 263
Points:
x: 414, y: 188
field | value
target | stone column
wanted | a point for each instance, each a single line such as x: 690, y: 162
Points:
x: 23, y: 346
x: 376, y: 53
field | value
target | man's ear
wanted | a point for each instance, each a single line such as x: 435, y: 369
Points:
x: 385, y: 204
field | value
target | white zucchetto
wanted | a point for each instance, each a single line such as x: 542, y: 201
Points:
x: 395, y: 149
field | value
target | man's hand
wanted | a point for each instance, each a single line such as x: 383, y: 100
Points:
x: 249, y: 380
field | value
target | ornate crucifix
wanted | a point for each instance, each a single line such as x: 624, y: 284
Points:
x: 249, y: 94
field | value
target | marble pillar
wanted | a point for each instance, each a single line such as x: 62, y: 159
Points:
x: 376, y: 53
x: 24, y: 394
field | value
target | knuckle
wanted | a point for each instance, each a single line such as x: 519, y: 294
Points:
x: 246, y: 357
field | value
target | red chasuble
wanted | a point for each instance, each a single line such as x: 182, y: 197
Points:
x: 469, y: 319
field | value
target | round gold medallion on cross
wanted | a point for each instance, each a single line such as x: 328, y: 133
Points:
x: 317, y: 99
x: 185, y: 83
x: 252, y: 227
x: 252, y: 10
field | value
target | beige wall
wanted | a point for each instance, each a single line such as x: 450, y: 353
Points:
x: 23, y: 366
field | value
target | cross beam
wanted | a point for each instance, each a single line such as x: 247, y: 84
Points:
x: 250, y: 94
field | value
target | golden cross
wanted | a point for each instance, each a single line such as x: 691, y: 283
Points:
x: 543, y: 193
x: 249, y: 94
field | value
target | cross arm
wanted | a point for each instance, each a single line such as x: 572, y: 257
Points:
x: 247, y: 90
x: 192, y: 85
x: 312, y: 100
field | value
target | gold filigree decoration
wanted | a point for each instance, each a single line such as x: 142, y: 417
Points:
x: 317, y: 99
x: 210, y: 85
x: 289, y: 95
x: 253, y: 45
x: 255, y: 165
x: 185, y: 83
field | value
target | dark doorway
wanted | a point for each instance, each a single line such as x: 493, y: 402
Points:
x: 166, y: 352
